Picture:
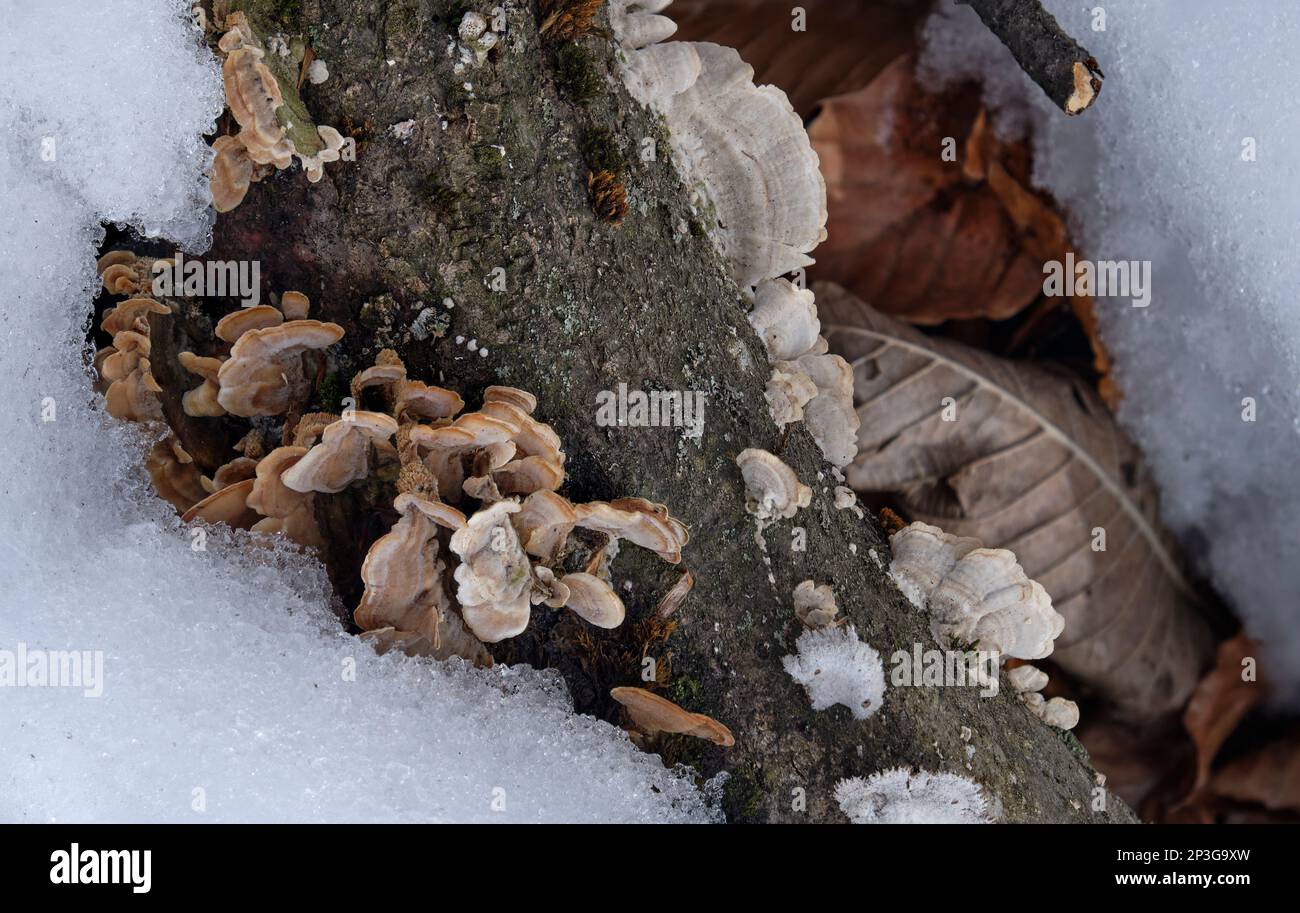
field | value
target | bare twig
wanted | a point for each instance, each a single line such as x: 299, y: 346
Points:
x: 1062, y: 68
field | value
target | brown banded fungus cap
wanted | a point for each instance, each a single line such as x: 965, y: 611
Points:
x: 232, y: 173
x: 202, y: 400
x: 127, y: 315
x: 264, y: 374
x: 295, y: 305
x: 544, y: 523
x: 494, y: 580
x: 593, y: 600
x: 815, y: 605
x: 175, y: 477
x: 651, y: 713
x: 416, y: 400
x: 449, y: 445
x: 343, y: 454
x: 228, y: 505
x: 640, y: 522
x: 402, y: 572
x: 284, y: 511
x: 237, y: 323
x: 772, y: 489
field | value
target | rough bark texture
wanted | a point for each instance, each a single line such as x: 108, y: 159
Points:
x: 494, y: 174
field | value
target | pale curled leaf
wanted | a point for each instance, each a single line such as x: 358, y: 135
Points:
x: 1033, y: 463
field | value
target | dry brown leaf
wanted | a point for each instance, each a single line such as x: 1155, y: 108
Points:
x: 1269, y: 776
x: 1033, y: 462
x: 1220, y: 702
x: 921, y: 238
x: 847, y: 42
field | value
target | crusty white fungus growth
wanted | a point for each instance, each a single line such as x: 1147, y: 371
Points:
x: 836, y: 668
x: 974, y: 595
x: 815, y: 605
x: 772, y: 490
x: 899, y: 796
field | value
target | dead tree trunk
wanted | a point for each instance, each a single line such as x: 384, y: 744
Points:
x: 463, y: 178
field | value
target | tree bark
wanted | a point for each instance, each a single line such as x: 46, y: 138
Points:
x: 493, y: 175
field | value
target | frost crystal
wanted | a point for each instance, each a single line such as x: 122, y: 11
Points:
x: 837, y: 668
x: 899, y: 796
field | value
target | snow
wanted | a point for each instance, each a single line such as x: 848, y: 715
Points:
x: 229, y: 691
x: 836, y: 668
x: 1156, y: 170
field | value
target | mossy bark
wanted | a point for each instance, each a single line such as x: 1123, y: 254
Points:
x: 488, y: 180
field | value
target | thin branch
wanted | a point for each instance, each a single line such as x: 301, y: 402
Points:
x: 1062, y: 68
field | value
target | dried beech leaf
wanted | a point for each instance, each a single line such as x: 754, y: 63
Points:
x: 1220, y: 702
x: 924, y: 239
x: 846, y: 42
x: 1269, y: 776
x: 1032, y: 462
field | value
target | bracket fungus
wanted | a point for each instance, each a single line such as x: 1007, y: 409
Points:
x: 202, y: 400
x: 264, y: 374
x: 974, y: 595
x: 1028, y: 681
x: 403, y: 578
x: 494, y: 578
x: 174, y: 475
x: 284, y: 510
x: 343, y: 454
x: 899, y: 796
x: 652, y: 714
x: 640, y: 522
x: 772, y: 490
x: 274, y: 127
x: 745, y: 151
x: 815, y: 605
x: 482, y: 534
